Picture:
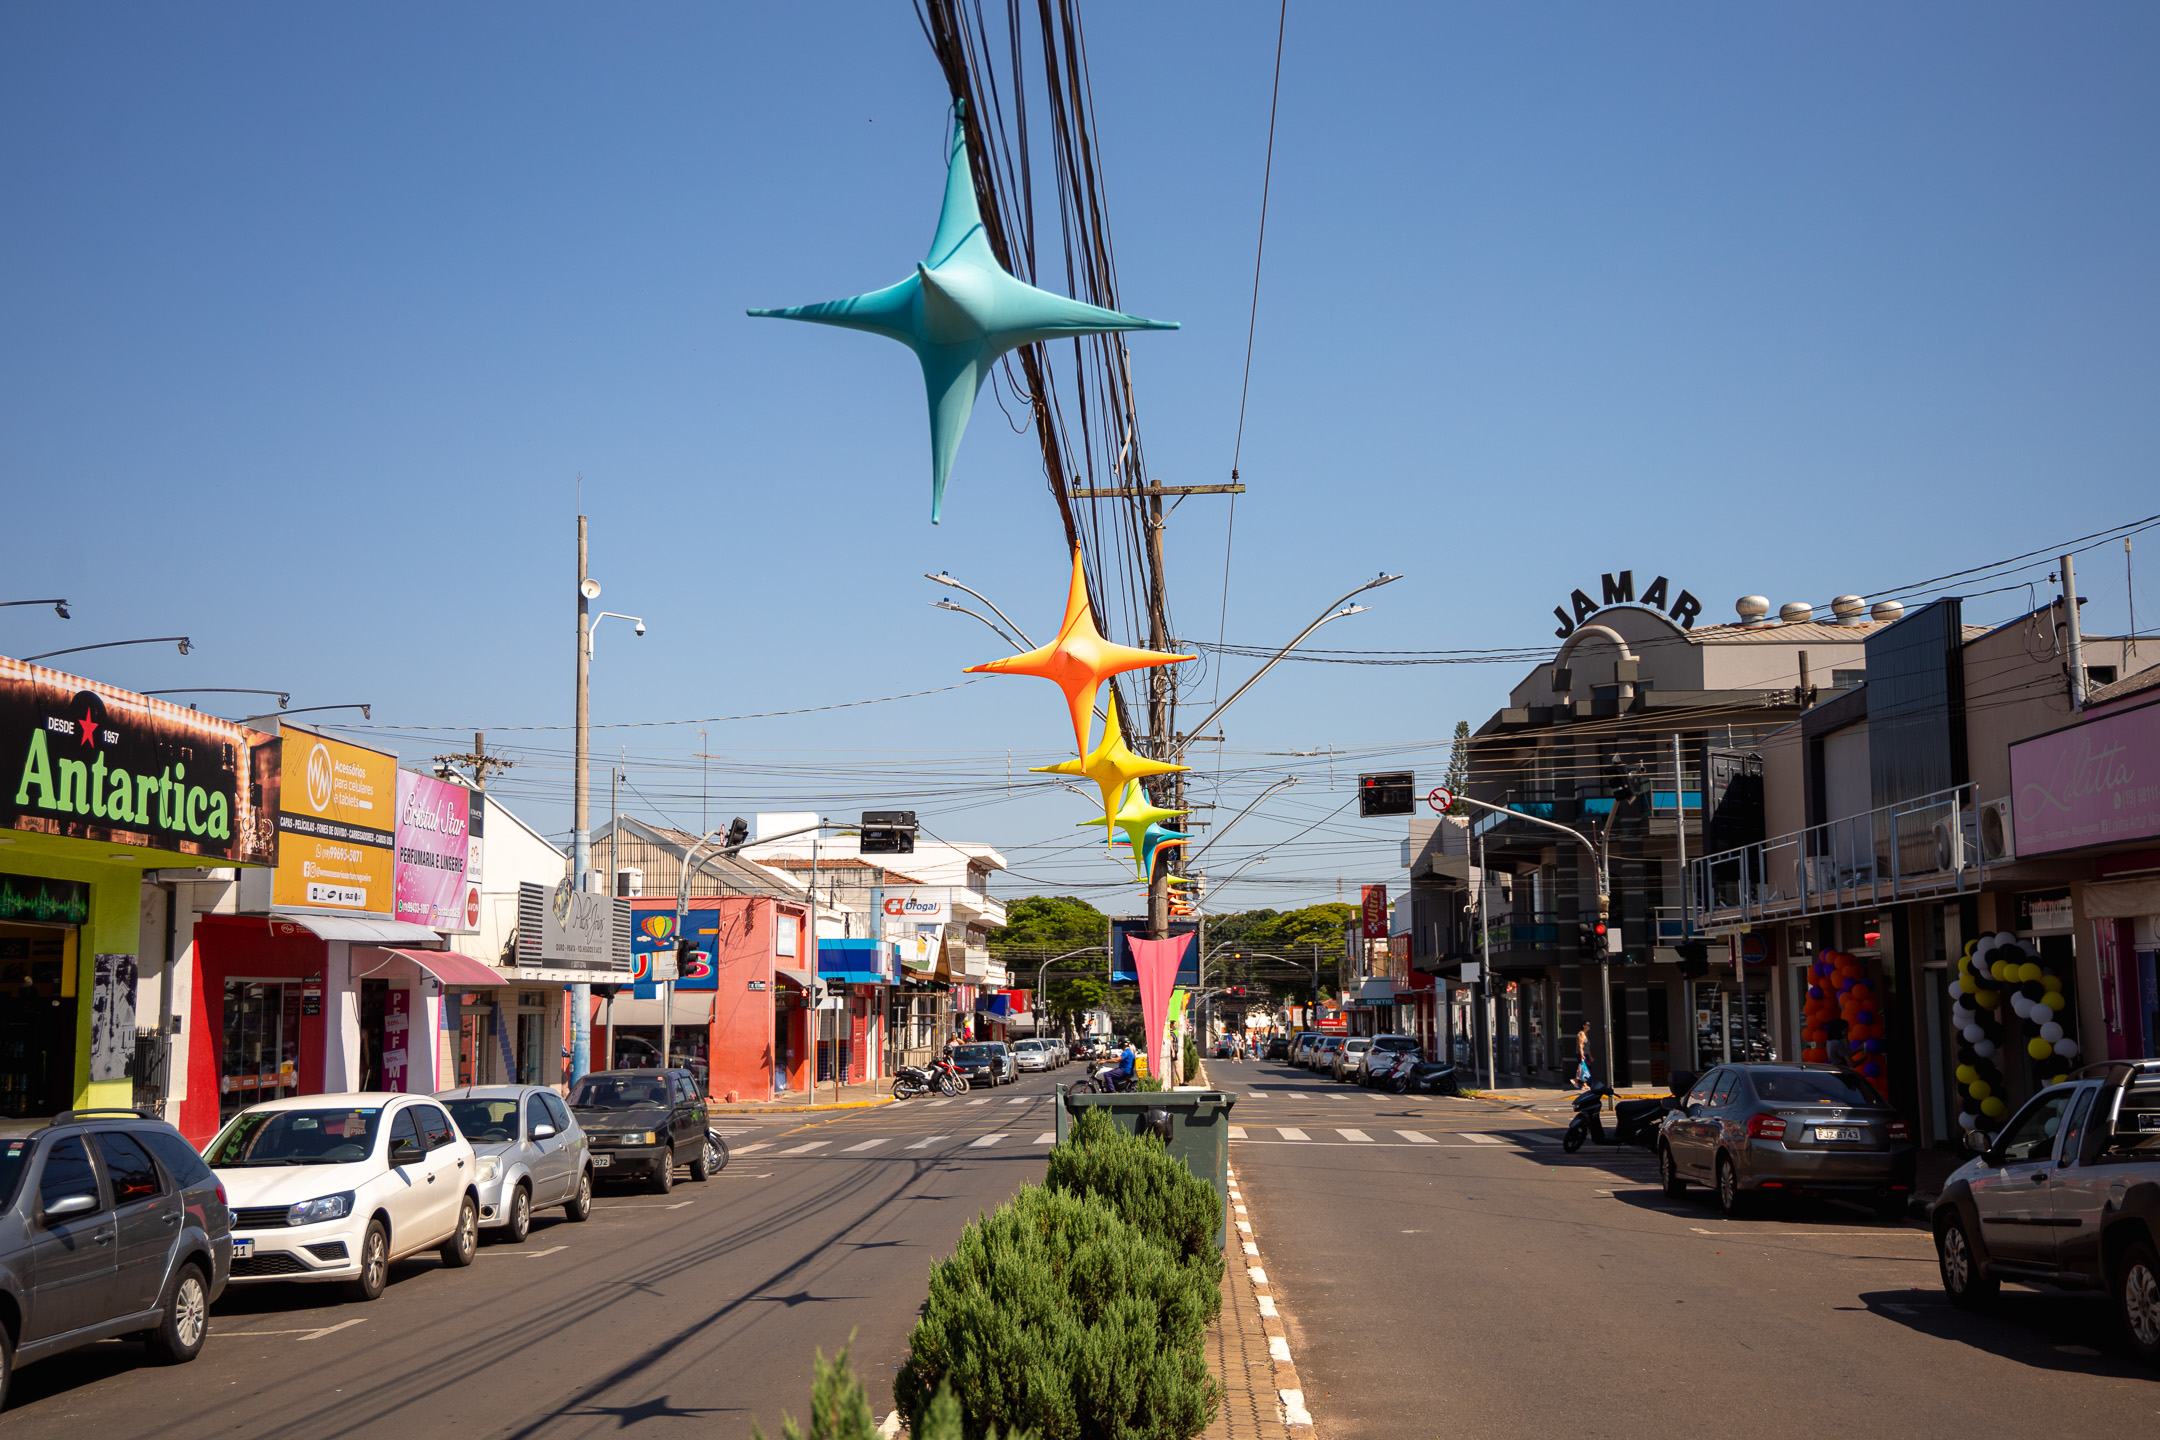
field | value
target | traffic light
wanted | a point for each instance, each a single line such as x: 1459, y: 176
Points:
x: 1388, y: 793
x: 1590, y: 941
x: 738, y: 831
x: 888, y: 832
x: 1694, y: 959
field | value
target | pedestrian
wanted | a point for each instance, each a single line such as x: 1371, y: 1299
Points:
x: 1582, y: 1058
x: 1839, y: 1049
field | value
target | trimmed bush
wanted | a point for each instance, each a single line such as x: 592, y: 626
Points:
x: 1054, y: 1315
x: 840, y: 1409
x: 1192, y: 1059
x: 1147, y: 1189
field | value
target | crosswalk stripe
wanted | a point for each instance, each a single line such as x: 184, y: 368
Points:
x: 1355, y: 1135
x: 1048, y: 1137
x: 1237, y: 1132
x: 1021, y: 1100
x: 935, y: 1103
x: 983, y: 1101
x: 986, y: 1140
x: 927, y: 1141
x: 806, y: 1149
x: 752, y: 1149
x: 1295, y: 1096
x: 1288, y: 1133
x: 1417, y: 1137
x: 866, y: 1145
x: 1477, y: 1138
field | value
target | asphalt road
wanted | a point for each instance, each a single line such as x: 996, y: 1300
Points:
x: 682, y: 1314
x: 1479, y: 1282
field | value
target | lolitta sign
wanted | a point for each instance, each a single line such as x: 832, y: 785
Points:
x: 2096, y: 783
x: 91, y: 762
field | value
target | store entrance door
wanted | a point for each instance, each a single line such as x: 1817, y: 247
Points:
x: 37, y: 1020
x: 262, y: 1044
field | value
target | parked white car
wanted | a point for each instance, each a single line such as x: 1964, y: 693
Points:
x: 336, y: 1187
x: 531, y: 1154
x: 1033, y: 1055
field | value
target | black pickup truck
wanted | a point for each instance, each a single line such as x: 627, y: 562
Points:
x: 2067, y: 1194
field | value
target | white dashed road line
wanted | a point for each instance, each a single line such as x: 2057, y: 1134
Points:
x: 985, y: 1141
x: 927, y: 1141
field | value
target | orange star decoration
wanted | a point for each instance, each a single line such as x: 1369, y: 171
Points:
x: 1078, y: 662
x: 1111, y: 764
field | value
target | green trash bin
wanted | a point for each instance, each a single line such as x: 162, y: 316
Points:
x: 1199, y: 1129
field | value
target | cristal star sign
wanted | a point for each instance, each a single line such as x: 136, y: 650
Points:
x: 959, y: 312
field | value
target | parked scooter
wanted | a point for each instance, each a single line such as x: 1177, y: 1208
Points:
x: 940, y: 1074
x: 1636, y: 1122
x: 1427, y: 1077
x: 716, y: 1153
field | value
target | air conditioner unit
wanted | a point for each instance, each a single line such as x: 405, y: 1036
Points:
x: 1981, y: 837
x: 630, y: 881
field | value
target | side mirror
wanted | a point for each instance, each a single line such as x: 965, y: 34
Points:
x: 402, y: 1150
x: 542, y: 1132
x: 68, y: 1205
x: 1976, y: 1141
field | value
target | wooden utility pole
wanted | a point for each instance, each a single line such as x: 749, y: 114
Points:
x: 477, y: 760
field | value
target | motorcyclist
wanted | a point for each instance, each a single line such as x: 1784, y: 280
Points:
x: 1127, y: 1066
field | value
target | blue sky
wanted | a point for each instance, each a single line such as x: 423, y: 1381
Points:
x: 311, y: 317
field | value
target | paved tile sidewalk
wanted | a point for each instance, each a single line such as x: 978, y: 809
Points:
x: 1249, y: 1352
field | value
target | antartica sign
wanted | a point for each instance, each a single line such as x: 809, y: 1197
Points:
x: 1620, y: 590
x: 117, y: 768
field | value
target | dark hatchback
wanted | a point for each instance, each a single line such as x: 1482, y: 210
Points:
x: 639, y: 1124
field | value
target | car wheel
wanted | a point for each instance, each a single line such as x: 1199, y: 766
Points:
x: 580, y: 1206
x: 7, y: 1364
x: 1669, y: 1176
x: 1967, y: 1284
x: 185, y: 1323
x: 663, y: 1179
x: 2137, y: 1301
x: 374, y: 1263
x: 701, y: 1166
x: 1731, y: 1199
x: 457, y: 1252
x: 519, y: 1222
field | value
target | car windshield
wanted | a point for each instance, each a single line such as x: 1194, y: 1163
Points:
x: 975, y: 1054
x: 1394, y: 1042
x: 1813, y: 1087
x: 486, y: 1122
x: 296, y: 1137
x: 620, y: 1092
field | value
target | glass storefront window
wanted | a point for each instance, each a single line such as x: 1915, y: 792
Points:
x: 261, y: 1058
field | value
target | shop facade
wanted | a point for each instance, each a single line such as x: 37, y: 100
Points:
x: 103, y: 787
x: 740, y: 1016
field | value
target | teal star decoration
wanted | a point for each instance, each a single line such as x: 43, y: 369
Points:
x: 959, y: 312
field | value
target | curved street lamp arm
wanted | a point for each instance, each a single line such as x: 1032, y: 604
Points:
x: 284, y: 698
x: 1331, y: 613
x: 944, y: 604
x: 941, y: 578
x: 182, y: 641
x: 1193, y: 858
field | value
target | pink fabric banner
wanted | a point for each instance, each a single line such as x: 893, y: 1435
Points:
x: 1155, y: 964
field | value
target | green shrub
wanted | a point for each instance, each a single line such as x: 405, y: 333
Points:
x: 1054, y: 1315
x: 1192, y: 1060
x: 1147, y: 1189
x: 840, y: 1409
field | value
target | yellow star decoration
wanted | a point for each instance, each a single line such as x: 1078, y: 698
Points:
x: 1136, y: 812
x: 1078, y: 662
x: 1111, y: 764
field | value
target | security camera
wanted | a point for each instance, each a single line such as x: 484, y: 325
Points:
x: 640, y: 627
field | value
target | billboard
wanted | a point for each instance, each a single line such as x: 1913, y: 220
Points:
x: 2091, y: 784
x: 563, y: 928
x: 337, y: 826
x: 92, y: 762
x: 438, y: 853
x: 654, y: 934
x: 1375, y: 913
x: 1121, y: 960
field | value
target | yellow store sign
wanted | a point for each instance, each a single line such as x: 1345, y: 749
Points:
x: 337, y: 824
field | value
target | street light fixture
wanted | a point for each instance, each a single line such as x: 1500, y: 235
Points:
x: 963, y: 610
x: 941, y: 578
x: 182, y: 641
x: 59, y: 606
x: 284, y: 698
x: 1331, y: 613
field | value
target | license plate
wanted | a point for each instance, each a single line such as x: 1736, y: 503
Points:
x: 242, y: 1249
x: 601, y: 1162
x: 1842, y: 1133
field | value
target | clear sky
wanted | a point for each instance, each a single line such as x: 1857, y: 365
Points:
x: 312, y: 316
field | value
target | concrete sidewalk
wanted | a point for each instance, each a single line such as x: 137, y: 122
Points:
x: 1248, y: 1351
x: 794, y: 1102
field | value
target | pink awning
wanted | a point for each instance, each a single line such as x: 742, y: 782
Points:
x: 453, y: 969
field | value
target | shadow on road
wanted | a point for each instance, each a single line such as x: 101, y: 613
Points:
x: 2042, y: 1329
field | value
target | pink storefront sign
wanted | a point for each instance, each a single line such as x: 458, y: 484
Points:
x: 438, y: 853
x: 2092, y: 784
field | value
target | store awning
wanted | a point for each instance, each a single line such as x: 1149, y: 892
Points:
x: 1376, y: 992
x: 855, y: 977
x: 802, y: 980
x: 992, y: 1005
x: 365, y: 931
x: 693, y: 1008
x: 454, y: 970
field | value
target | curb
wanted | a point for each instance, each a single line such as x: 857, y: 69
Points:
x: 797, y: 1109
x: 1291, y: 1417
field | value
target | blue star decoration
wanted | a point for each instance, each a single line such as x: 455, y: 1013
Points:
x: 959, y: 312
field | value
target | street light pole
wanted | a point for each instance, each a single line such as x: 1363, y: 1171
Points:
x: 581, y: 809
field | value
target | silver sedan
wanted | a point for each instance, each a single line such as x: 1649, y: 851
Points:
x: 530, y: 1151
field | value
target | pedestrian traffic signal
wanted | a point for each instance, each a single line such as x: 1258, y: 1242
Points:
x: 888, y: 832
x: 1388, y: 793
x: 1694, y: 959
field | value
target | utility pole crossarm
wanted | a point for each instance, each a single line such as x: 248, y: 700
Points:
x: 1142, y: 492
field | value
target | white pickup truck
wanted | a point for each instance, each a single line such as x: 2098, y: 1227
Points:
x: 2066, y: 1194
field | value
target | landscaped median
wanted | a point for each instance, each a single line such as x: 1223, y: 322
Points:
x: 1078, y: 1310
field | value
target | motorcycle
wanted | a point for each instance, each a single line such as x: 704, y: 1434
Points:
x: 716, y: 1152
x: 1107, y: 1080
x: 940, y: 1074
x: 1381, y: 1074
x: 1636, y: 1122
x: 1427, y: 1077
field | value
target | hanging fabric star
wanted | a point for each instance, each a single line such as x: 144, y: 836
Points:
x: 1111, y: 764
x: 1137, y: 815
x: 959, y: 312
x: 1159, y: 839
x: 1079, y: 659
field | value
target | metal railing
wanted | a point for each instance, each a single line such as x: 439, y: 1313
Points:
x: 1906, y: 851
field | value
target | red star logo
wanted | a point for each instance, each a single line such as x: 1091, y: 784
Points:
x: 88, y: 728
